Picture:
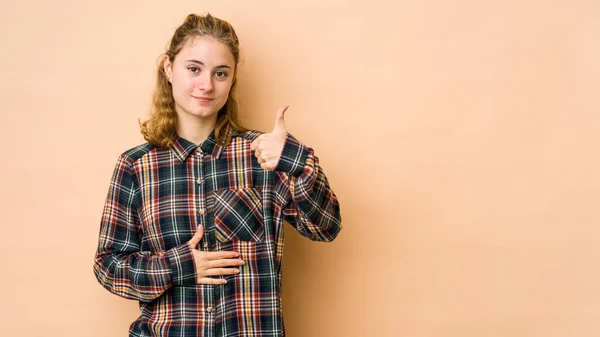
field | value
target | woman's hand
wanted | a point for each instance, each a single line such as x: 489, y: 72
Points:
x: 268, y: 147
x: 210, y: 264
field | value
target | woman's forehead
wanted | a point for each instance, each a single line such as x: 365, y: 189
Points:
x: 206, y: 49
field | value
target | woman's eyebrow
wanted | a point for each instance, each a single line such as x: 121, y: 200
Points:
x: 202, y: 64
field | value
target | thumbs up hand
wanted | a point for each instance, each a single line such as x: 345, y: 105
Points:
x: 268, y: 147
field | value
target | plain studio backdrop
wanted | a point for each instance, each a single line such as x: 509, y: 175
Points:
x: 461, y: 138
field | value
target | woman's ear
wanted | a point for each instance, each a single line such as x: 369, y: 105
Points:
x: 168, y: 68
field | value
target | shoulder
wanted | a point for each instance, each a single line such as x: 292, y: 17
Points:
x: 135, y: 153
x: 249, y: 135
x: 124, y: 168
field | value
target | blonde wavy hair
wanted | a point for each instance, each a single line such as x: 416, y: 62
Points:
x: 160, y: 128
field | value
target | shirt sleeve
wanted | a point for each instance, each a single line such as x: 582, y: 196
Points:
x: 119, y: 265
x: 310, y: 204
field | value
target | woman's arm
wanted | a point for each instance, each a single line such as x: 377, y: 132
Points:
x: 119, y: 265
x: 311, y: 206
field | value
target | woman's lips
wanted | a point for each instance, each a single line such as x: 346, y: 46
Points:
x: 204, y: 99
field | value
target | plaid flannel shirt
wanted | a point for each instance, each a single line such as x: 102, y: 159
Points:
x: 155, y: 202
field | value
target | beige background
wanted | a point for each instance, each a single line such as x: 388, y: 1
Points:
x: 460, y: 136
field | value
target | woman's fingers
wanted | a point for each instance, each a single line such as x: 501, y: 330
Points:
x: 220, y: 255
x: 219, y: 263
x: 208, y: 280
x: 197, y: 237
x: 207, y: 276
x: 224, y: 263
x: 221, y: 271
x: 266, y: 157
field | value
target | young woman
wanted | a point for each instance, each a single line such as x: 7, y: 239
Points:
x: 192, y: 226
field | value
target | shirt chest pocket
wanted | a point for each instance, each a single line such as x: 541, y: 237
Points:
x: 238, y: 215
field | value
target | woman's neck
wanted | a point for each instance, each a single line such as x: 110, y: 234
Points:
x: 195, y: 129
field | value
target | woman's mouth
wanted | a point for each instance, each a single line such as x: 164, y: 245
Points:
x: 203, y: 99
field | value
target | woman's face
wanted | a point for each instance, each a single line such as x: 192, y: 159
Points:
x: 201, y: 76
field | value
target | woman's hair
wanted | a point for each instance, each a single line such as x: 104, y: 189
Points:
x: 160, y: 128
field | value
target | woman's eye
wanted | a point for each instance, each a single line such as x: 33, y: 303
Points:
x: 221, y: 74
x: 194, y: 69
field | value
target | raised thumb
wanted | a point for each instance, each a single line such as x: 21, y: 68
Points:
x: 279, y: 119
x: 195, y: 240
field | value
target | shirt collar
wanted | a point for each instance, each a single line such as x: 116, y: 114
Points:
x: 182, y: 147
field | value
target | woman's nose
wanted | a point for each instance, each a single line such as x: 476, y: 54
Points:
x: 205, y: 82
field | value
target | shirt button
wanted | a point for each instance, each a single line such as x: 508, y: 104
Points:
x: 209, y: 309
x: 199, y: 181
x: 161, y: 254
x: 202, y: 211
x: 205, y: 244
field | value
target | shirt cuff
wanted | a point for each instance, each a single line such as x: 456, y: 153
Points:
x: 293, y: 157
x: 183, y: 267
